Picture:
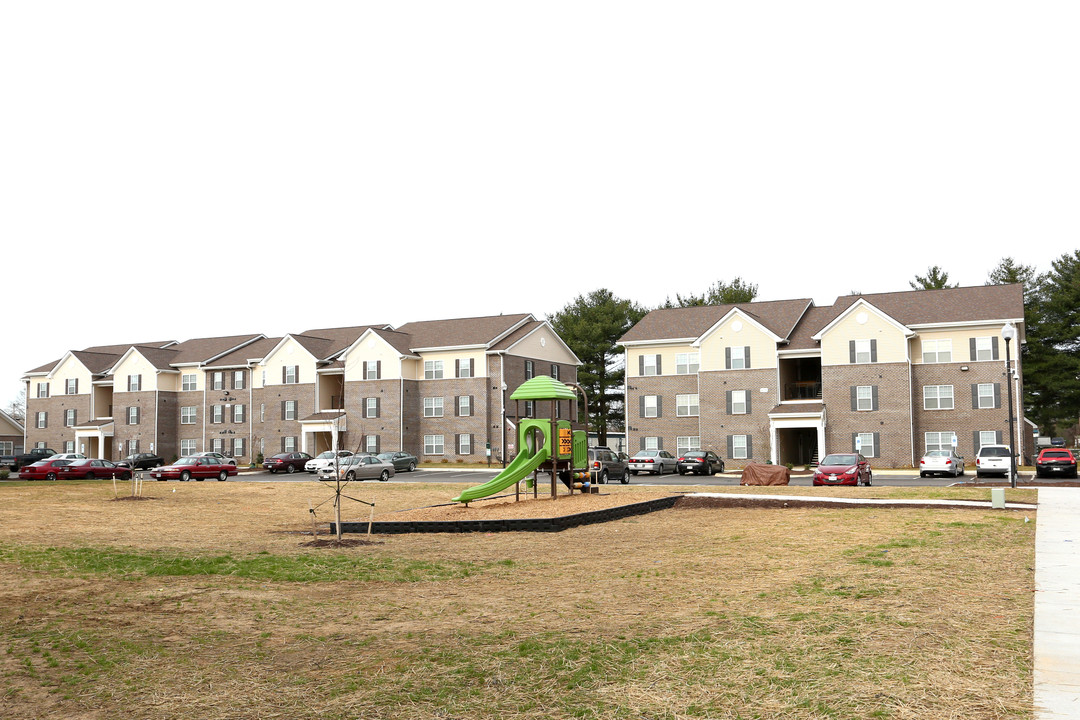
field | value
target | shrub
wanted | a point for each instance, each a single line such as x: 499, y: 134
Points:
x: 4, y: 473
x: 259, y: 459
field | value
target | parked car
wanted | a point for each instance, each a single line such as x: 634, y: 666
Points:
x: 92, y: 468
x: 223, y: 459
x: 288, y: 462
x: 17, y: 461
x: 843, y: 469
x: 325, y: 459
x: 992, y: 460
x: 700, y: 462
x: 142, y: 461
x: 606, y: 465
x: 360, y: 467
x: 42, y: 469
x: 941, y: 462
x: 400, y: 460
x: 1055, y: 461
x: 654, y: 462
x: 198, y: 467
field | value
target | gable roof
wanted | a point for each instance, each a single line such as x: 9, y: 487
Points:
x: 778, y: 316
x: 982, y: 303
x: 242, y: 355
x: 462, y: 332
x: 201, y: 350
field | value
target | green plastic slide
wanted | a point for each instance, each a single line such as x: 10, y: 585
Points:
x: 521, y: 467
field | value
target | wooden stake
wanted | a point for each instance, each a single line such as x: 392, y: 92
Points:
x: 314, y: 527
x: 371, y: 517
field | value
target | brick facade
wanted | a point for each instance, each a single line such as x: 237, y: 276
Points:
x: 891, y: 419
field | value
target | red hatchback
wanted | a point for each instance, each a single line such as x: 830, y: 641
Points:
x: 843, y: 469
x: 42, y: 470
x: 1055, y: 461
x: 90, y: 469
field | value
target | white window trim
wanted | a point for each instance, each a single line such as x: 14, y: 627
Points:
x: 687, y: 363
x: 863, y: 348
x: 859, y: 398
x: 944, y: 440
x: 437, y: 443
x: 370, y: 407
x: 465, y: 444
x: 646, y: 366
x: 952, y: 397
x: 740, y: 357
x: 989, y: 398
x: 290, y: 413
x: 189, y: 383
x: 652, y: 443
x: 188, y: 418
x: 988, y: 349
x: 651, y: 403
x: 434, y: 405
x: 937, y: 351
x: 864, y: 443
x: 738, y: 452
x: 691, y: 408
x: 188, y: 447
x: 687, y: 443
x: 735, y: 404
x: 433, y: 369
x: 464, y: 406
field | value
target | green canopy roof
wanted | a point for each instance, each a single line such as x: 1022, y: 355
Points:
x: 543, y: 387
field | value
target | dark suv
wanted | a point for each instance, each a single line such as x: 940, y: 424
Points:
x: 606, y: 465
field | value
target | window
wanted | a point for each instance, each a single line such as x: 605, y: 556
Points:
x: 650, y: 406
x: 686, y: 405
x: 986, y: 396
x: 217, y: 381
x: 433, y: 444
x: 264, y: 378
x: 937, y: 397
x: 864, y: 398
x: 433, y: 407
x: 737, y: 403
x: 238, y: 447
x: 133, y: 416
x: 71, y: 386
x: 288, y: 409
x: 133, y: 447
x: 69, y: 418
x: 43, y: 390
x: 7, y: 447
x: 530, y: 409
x: 985, y: 437
x: 650, y: 443
x: 69, y: 446
x: 939, y: 441
x: 262, y: 412
x: 433, y: 369
x: 187, y: 447
x: 984, y: 348
x: 40, y: 444
x: 187, y: 415
x: 737, y: 357
x: 865, y: 445
x: 238, y: 413
x: 238, y: 380
x: 528, y: 369
x: 649, y: 365
x: 687, y: 363
x: 464, y: 444
x: 218, y: 414
x: 684, y: 445
x: 290, y: 375
x: 739, y: 447
x: 936, y: 351
x: 554, y: 371
x: 288, y: 444
x: 371, y: 443
x: 134, y: 383
x: 188, y: 383
x: 464, y: 405
x: 371, y: 407
x: 42, y: 420
x: 372, y: 370
x: 863, y: 351
x: 464, y: 368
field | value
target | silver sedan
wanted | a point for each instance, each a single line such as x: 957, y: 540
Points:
x: 360, y: 467
x: 941, y: 462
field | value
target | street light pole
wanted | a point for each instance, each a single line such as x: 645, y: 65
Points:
x: 1008, y: 333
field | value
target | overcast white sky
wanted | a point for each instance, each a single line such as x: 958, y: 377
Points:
x: 179, y: 170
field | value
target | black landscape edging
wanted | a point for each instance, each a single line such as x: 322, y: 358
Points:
x: 555, y: 524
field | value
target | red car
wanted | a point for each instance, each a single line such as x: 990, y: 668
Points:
x: 197, y: 468
x: 843, y: 469
x: 42, y: 470
x: 1055, y: 461
x: 92, y: 468
x: 288, y: 462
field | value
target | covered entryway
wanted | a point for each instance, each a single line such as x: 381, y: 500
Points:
x: 95, y: 440
x: 797, y: 432
x: 323, y: 431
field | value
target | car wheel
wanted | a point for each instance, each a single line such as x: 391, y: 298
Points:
x: 682, y: 471
x: 350, y: 476
x: 50, y: 476
x: 384, y: 476
x: 89, y: 476
x: 633, y: 472
x: 290, y: 469
x: 223, y: 476
x: 708, y: 470
x: 978, y: 474
x: 922, y: 474
x: 125, y: 476
x: 272, y: 471
x: 869, y: 479
x: 625, y: 478
x: 185, y: 476
x: 412, y: 466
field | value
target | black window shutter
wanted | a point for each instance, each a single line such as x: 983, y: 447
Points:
x: 747, y: 356
x: 296, y: 373
x: 854, y: 397
x: 138, y: 415
x: 972, y: 350
x: 659, y: 443
x: 283, y: 417
x: 75, y: 415
x: 749, y: 447
x: 378, y: 407
x: 659, y: 368
x: 283, y: 442
x: 974, y: 396
x: 873, y: 397
x: 365, y: 370
x: 997, y: 437
x: 457, y: 443
x: 727, y: 358
x: 457, y: 367
x: 378, y: 369
x: 470, y: 404
x: 877, y: 444
x: 854, y: 436
x: 641, y: 410
x: 457, y: 406
x: 641, y: 365
x: 378, y: 443
x: 994, y: 347
x: 283, y: 377
x: 641, y: 442
x: 873, y: 350
x: 470, y: 442
x: 730, y: 445
x: 997, y: 395
x: 659, y: 406
x: 76, y: 386
x: 748, y: 410
x: 851, y: 351
x: 727, y: 396
x: 975, y: 442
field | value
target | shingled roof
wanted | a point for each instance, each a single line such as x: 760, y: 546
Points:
x: 200, y: 350
x: 779, y: 316
x: 461, y: 332
x: 241, y: 356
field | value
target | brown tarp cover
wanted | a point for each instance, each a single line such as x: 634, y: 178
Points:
x: 758, y: 474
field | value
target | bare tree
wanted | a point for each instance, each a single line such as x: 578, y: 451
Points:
x: 17, y: 407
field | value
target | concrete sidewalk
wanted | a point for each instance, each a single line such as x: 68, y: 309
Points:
x: 1057, y: 604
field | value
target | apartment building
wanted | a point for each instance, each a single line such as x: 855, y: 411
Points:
x: 892, y: 375
x: 437, y: 388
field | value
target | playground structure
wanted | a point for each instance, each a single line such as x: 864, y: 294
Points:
x: 547, y: 445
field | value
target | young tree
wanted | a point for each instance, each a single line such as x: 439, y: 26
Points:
x: 17, y: 407
x: 592, y: 325
x: 1052, y: 355
x: 719, y: 293
x: 935, y: 279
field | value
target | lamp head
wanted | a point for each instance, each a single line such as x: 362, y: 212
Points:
x: 1008, y: 332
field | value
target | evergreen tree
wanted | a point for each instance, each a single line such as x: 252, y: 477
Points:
x: 1009, y: 271
x: 1052, y: 356
x: 935, y: 279
x: 719, y: 293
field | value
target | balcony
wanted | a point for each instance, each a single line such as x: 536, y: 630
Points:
x: 802, y: 390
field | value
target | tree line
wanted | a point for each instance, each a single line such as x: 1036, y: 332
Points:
x: 592, y: 325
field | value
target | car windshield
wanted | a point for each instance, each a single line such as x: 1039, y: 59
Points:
x: 385, y: 456
x: 839, y: 460
x: 994, y: 452
x: 325, y: 455
x: 648, y: 453
x: 187, y: 461
x: 1057, y: 454
x: 694, y: 455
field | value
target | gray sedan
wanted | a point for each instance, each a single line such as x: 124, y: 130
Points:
x: 360, y: 467
x: 943, y: 462
x: 401, y: 460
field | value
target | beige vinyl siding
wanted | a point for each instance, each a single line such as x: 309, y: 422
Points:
x: 134, y: 364
x: 961, y: 341
x: 289, y: 353
x: 762, y: 345
x: 372, y: 349
x: 551, y: 350
x: 667, y: 353
x: 892, y: 345
x: 68, y: 369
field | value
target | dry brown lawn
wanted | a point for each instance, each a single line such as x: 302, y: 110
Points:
x: 204, y: 602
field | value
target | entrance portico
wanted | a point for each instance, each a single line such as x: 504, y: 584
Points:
x: 796, y: 432
x: 95, y: 440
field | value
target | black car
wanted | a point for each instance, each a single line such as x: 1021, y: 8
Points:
x: 142, y: 461
x: 700, y: 462
x: 400, y: 460
x: 606, y: 465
